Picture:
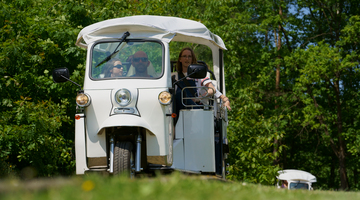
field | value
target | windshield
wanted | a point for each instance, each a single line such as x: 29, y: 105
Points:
x: 131, y: 59
x: 298, y: 185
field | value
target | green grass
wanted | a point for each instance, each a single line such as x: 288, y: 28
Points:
x: 175, y: 187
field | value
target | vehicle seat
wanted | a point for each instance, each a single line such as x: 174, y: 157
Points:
x: 150, y: 69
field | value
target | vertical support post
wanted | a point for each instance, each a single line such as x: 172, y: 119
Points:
x: 138, y: 153
x: 112, y: 154
x: 221, y: 70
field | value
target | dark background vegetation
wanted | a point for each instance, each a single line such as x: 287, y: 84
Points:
x: 292, y: 75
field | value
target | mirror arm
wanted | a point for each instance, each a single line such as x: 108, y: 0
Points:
x: 212, y: 73
x: 183, y: 78
x: 71, y: 81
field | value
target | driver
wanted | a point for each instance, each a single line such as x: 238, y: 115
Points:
x: 140, y: 62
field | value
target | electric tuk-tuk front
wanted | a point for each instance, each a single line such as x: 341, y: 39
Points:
x: 126, y: 123
x: 295, y: 179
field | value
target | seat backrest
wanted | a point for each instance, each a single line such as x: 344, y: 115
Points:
x: 150, y: 69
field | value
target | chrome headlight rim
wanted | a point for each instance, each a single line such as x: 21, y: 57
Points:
x: 164, y: 98
x: 86, y: 102
x: 124, y: 98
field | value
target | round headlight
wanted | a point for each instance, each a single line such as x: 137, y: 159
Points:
x: 165, y: 98
x: 123, y: 97
x: 83, y: 100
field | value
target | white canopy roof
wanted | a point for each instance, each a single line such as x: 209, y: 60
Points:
x: 149, y: 26
x: 293, y: 174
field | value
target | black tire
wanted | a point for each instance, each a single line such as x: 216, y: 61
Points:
x: 124, y: 159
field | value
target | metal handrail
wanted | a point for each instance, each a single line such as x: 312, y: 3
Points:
x: 204, y: 102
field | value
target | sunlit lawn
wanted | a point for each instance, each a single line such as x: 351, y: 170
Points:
x: 174, y: 187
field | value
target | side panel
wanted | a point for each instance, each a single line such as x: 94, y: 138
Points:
x: 80, y: 147
x: 199, y: 140
x: 97, y: 112
x: 179, y: 160
x: 159, y: 140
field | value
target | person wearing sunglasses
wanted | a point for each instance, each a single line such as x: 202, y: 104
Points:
x: 140, y: 62
x: 114, y: 68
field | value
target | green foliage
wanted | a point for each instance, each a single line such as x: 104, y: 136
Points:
x: 35, y: 130
x: 30, y: 136
x: 306, y: 121
x: 250, y: 151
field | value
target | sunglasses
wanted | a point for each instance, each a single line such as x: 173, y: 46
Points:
x: 142, y: 59
x: 118, y: 66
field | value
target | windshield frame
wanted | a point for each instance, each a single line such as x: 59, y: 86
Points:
x: 126, y: 77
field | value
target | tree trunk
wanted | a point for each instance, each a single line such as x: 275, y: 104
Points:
x: 340, y: 150
x: 332, y: 176
x: 342, y: 145
x: 343, y: 175
x: 277, y: 87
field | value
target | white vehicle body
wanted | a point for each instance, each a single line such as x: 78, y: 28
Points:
x: 145, y: 122
x: 296, y: 179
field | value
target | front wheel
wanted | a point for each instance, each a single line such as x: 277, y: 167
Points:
x: 124, y: 159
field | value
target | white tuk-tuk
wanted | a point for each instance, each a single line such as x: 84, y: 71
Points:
x: 126, y: 123
x: 295, y: 179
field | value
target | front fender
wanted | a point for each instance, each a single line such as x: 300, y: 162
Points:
x: 125, y: 120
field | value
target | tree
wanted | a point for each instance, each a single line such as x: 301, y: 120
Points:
x: 34, y: 41
x: 292, y: 75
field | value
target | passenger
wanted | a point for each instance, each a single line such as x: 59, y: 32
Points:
x: 114, y: 68
x: 140, y: 62
x: 284, y: 184
x: 186, y: 58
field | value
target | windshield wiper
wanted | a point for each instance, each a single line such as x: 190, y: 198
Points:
x: 126, y: 34
x: 297, y: 184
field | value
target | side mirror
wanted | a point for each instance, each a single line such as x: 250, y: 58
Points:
x: 60, y: 75
x: 197, y: 71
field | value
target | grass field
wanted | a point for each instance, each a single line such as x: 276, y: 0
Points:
x: 175, y: 187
